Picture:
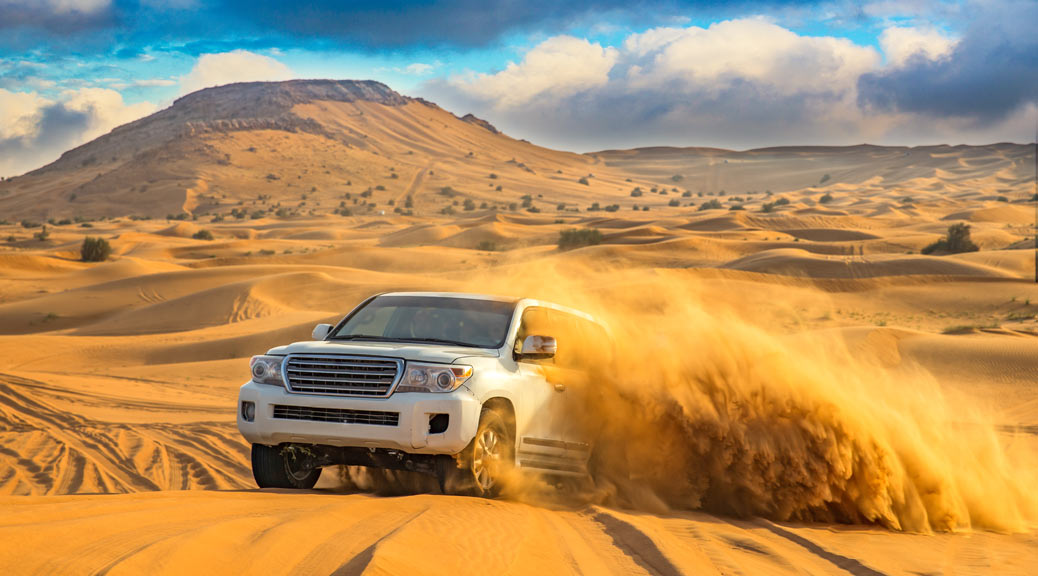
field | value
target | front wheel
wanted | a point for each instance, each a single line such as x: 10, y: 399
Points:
x: 481, y: 467
x: 274, y: 467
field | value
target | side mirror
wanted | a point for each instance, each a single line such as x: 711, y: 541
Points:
x: 538, y: 347
x: 321, y: 331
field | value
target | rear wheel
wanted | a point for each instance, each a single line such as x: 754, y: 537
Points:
x: 480, y: 469
x: 273, y: 467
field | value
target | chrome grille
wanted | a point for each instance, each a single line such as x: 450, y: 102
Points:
x: 342, y: 375
x: 342, y: 416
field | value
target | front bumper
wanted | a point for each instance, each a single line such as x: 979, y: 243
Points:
x: 411, y: 434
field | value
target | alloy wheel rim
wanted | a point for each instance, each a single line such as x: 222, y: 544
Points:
x: 486, y: 459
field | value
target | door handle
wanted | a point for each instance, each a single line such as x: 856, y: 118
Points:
x: 560, y: 387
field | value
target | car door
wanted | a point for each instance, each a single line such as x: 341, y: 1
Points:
x: 546, y: 441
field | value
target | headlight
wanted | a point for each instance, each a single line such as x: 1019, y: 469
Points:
x: 267, y: 370
x: 433, y: 377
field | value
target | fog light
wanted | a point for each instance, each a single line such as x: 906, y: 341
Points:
x: 248, y: 411
x: 438, y: 423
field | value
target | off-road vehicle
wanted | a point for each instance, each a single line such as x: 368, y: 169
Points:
x: 459, y: 386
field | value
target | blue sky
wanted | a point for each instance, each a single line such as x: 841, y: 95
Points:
x: 580, y: 75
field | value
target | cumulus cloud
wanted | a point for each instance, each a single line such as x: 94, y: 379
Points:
x: 899, y: 44
x: 737, y: 83
x: 231, y: 67
x: 985, y: 78
x: 35, y: 130
x: 731, y: 84
x: 557, y: 68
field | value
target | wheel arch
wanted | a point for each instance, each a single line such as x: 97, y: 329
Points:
x: 503, y: 406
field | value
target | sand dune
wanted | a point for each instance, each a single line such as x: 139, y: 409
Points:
x: 777, y: 336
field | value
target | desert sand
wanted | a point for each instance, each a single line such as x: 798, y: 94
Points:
x: 834, y: 401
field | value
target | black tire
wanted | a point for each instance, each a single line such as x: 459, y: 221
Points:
x: 475, y: 472
x: 273, y: 468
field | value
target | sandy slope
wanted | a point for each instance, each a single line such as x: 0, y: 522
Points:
x: 118, y: 380
x: 329, y: 533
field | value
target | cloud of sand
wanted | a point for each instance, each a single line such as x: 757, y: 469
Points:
x: 702, y: 407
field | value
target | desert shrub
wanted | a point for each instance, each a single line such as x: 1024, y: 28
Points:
x: 956, y: 241
x: 533, y: 210
x: 469, y: 205
x: 561, y: 206
x: 636, y: 192
x: 1002, y: 199
x: 380, y: 187
x: 635, y: 208
x: 674, y: 202
x: 409, y: 202
x: 181, y: 216
x: 767, y: 207
x: 493, y: 176
x: 448, y: 192
x: 612, y: 208
x: 713, y: 204
x: 908, y: 200
x: 30, y: 224
x: 42, y: 235
x: 736, y: 207
x: 594, y: 207
x: 677, y: 178
x: 448, y: 210
x: 781, y: 202
x: 527, y: 200
x: 487, y: 246
x: 95, y: 249
x: 824, y: 179
x: 257, y: 214
x: 64, y: 222
x: 273, y: 177
x: 826, y: 199
x: 686, y: 194
x: 512, y: 206
x: 202, y: 235
x: 583, y: 180
x: 569, y: 239
x: 1034, y: 198
x: 86, y: 225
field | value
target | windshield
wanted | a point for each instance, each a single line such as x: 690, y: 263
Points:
x: 459, y: 321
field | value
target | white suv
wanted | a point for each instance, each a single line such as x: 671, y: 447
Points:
x: 459, y: 386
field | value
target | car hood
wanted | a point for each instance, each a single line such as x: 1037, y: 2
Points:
x: 404, y: 350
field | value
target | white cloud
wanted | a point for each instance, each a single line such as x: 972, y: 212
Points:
x: 17, y: 113
x: 737, y: 83
x: 231, y: 67
x: 556, y: 68
x: 899, y: 44
x: 419, y: 68
x: 741, y: 51
x: 35, y: 130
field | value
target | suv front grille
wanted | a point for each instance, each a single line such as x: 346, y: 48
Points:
x: 342, y: 375
x: 374, y: 417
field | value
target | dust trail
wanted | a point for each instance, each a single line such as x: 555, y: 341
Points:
x: 702, y: 407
